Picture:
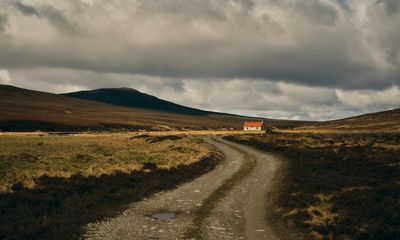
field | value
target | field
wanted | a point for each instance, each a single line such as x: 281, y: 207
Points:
x: 336, y: 185
x: 53, y: 184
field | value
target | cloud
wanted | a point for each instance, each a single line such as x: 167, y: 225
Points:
x: 239, y: 96
x: 392, y: 6
x: 25, y: 9
x: 314, y: 43
x: 5, y: 77
x: 367, y: 99
x: 54, y: 16
x: 3, y: 22
x: 314, y: 59
x: 315, y: 11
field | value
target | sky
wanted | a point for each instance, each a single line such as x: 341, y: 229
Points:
x: 288, y: 59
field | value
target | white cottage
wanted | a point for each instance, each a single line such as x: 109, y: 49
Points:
x: 253, y: 126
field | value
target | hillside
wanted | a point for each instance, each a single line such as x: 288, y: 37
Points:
x: 128, y: 97
x: 26, y: 110
x: 379, y: 121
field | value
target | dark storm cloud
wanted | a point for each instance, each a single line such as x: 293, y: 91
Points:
x: 26, y: 9
x: 58, y: 19
x: 48, y: 12
x: 3, y: 23
x: 318, y: 12
x: 195, y: 10
x: 313, y: 43
x: 344, y: 4
x: 392, y: 6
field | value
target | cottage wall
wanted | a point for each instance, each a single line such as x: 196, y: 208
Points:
x: 252, y: 128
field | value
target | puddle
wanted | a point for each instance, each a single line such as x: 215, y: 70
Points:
x: 164, y: 215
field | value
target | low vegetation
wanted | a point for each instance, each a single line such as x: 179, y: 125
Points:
x: 337, y: 186
x: 52, y: 185
x: 23, y: 158
x: 385, y: 121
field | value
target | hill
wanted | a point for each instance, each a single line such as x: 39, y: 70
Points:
x: 379, y: 121
x: 128, y: 97
x: 27, y: 110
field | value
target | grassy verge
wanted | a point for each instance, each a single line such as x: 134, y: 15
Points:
x: 337, y: 186
x: 93, y: 177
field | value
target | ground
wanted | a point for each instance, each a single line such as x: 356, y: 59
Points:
x: 52, y: 185
x: 320, y: 185
x: 227, y: 203
x: 337, y: 185
x: 25, y: 157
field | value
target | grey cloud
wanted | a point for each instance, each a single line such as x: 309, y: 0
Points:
x: 344, y: 4
x: 311, y: 43
x: 3, y: 23
x: 58, y: 19
x: 239, y: 96
x: 26, y: 9
x: 391, y: 6
x: 246, y: 4
x: 317, y: 11
x: 51, y: 14
x: 193, y: 11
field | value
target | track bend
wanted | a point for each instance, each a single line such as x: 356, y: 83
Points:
x: 229, y: 202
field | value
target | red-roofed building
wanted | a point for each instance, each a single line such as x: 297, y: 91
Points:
x: 253, y: 126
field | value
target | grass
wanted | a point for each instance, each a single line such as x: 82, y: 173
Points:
x: 53, y: 185
x: 337, y: 186
x: 23, y: 158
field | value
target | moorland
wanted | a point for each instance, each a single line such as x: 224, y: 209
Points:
x: 336, y: 185
x: 54, y: 184
x: 90, y: 154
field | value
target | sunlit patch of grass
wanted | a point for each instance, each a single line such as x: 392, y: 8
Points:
x: 26, y: 157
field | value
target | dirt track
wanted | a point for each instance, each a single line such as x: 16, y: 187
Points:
x: 227, y: 203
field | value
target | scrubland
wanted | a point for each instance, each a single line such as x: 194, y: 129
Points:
x: 25, y: 158
x: 53, y: 184
x: 336, y: 185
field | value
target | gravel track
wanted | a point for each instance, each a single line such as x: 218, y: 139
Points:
x: 226, y: 203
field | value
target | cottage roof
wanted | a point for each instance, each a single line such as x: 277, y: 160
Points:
x: 253, y: 124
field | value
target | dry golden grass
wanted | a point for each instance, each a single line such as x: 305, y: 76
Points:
x: 27, y: 156
x: 83, y: 178
x: 321, y: 214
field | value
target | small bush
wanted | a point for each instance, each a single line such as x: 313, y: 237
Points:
x: 149, y: 166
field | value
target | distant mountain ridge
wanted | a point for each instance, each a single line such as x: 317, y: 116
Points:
x: 388, y: 120
x: 28, y: 110
x: 123, y: 108
x: 128, y: 97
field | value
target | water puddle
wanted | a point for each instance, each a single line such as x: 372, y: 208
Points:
x: 164, y: 215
